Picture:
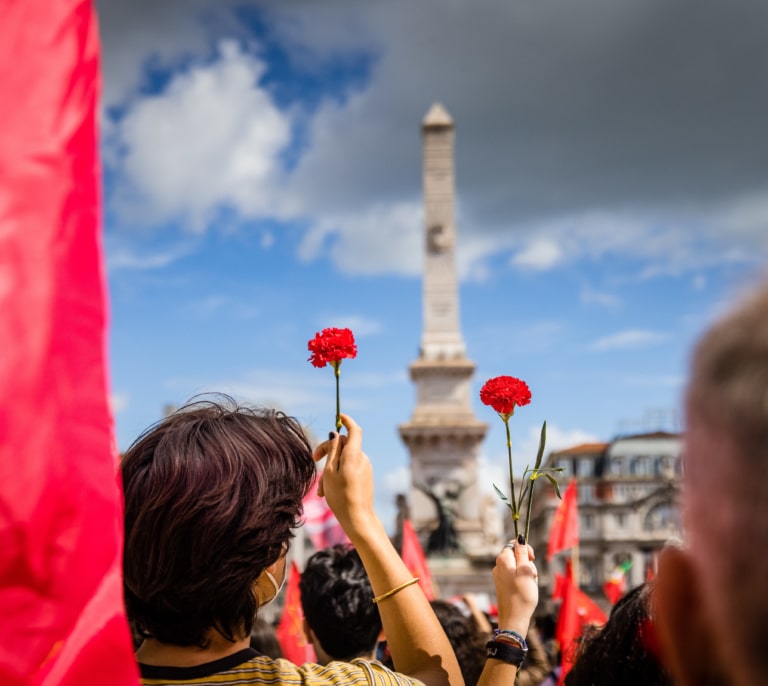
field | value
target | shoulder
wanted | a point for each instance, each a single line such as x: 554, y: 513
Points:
x: 358, y: 672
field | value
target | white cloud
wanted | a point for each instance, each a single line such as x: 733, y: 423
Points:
x: 124, y: 257
x: 589, y: 296
x: 539, y: 254
x: 381, y: 239
x: 119, y: 402
x: 211, y: 139
x: 360, y: 326
x: 629, y: 339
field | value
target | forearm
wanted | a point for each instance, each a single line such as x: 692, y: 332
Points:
x: 417, y: 642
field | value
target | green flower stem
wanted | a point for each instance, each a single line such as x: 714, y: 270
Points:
x: 515, y: 511
x: 337, y: 374
x: 530, y: 505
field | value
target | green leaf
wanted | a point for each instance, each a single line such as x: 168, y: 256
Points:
x: 542, y: 442
x: 504, y: 499
x: 553, y: 481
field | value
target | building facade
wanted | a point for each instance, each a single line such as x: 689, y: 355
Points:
x: 628, y: 508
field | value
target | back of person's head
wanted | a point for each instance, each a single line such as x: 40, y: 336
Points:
x: 211, y: 494
x: 337, y: 600
x: 726, y: 492
x: 622, y: 650
x: 264, y: 639
x: 466, y: 640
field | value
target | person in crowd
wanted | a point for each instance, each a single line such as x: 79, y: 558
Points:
x: 622, y: 651
x: 469, y: 634
x: 264, y: 639
x: 711, y: 600
x: 467, y: 640
x: 341, y: 620
x: 212, y: 493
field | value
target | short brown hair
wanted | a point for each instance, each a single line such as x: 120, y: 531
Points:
x: 211, y: 495
x: 729, y: 379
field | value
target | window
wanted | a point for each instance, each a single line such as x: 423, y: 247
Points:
x: 620, y: 519
x: 587, y: 521
x: 662, y: 517
x: 585, y: 467
x: 617, y: 466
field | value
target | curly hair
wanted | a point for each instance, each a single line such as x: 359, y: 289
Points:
x: 621, y: 651
x: 467, y: 641
x: 211, y: 495
x: 336, y: 597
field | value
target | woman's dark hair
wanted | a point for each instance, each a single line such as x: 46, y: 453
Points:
x: 621, y: 652
x: 337, y: 600
x: 467, y: 641
x: 211, y: 495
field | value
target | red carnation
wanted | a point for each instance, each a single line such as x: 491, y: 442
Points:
x: 504, y: 393
x: 331, y: 345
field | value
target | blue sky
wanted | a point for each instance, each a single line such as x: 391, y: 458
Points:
x: 262, y: 168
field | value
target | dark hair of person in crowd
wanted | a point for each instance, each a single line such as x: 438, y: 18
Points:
x: 199, y: 531
x: 622, y: 650
x: 337, y: 600
x: 467, y: 640
x: 264, y: 639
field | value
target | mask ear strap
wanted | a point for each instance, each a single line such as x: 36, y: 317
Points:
x: 274, y: 583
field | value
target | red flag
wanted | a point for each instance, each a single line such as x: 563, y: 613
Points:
x: 321, y: 524
x: 569, y: 628
x: 616, y: 585
x: 564, y: 533
x: 290, y: 631
x: 62, y: 620
x: 415, y: 560
x: 589, y: 611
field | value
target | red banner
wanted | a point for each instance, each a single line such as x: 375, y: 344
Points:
x: 62, y: 619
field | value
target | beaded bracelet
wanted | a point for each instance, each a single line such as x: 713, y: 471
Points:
x: 511, y: 637
x: 506, y: 653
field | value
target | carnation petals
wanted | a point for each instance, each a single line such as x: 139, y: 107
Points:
x: 331, y: 346
x: 504, y: 393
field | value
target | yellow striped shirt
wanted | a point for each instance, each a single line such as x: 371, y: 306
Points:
x: 246, y: 667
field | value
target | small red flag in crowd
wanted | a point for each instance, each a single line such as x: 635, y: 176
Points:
x: 414, y: 558
x: 616, y: 586
x: 290, y: 631
x: 564, y: 533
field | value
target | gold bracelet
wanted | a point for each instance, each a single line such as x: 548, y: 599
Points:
x: 396, y: 589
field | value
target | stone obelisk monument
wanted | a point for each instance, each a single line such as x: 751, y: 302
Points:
x: 443, y: 435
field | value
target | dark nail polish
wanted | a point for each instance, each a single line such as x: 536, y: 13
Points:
x: 521, y: 539
x: 331, y: 435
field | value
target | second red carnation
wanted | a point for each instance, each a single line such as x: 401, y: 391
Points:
x: 504, y: 393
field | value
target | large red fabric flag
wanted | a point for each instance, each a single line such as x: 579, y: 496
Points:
x: 62, y: 620
x: 564, y: 533
x: 290, y: 631
x: 414, y: 558
x: 321, y: 524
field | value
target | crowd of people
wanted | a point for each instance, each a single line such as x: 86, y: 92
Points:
x: 214, y: 492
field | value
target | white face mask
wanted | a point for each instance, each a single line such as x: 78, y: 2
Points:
x: 275, y: 585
